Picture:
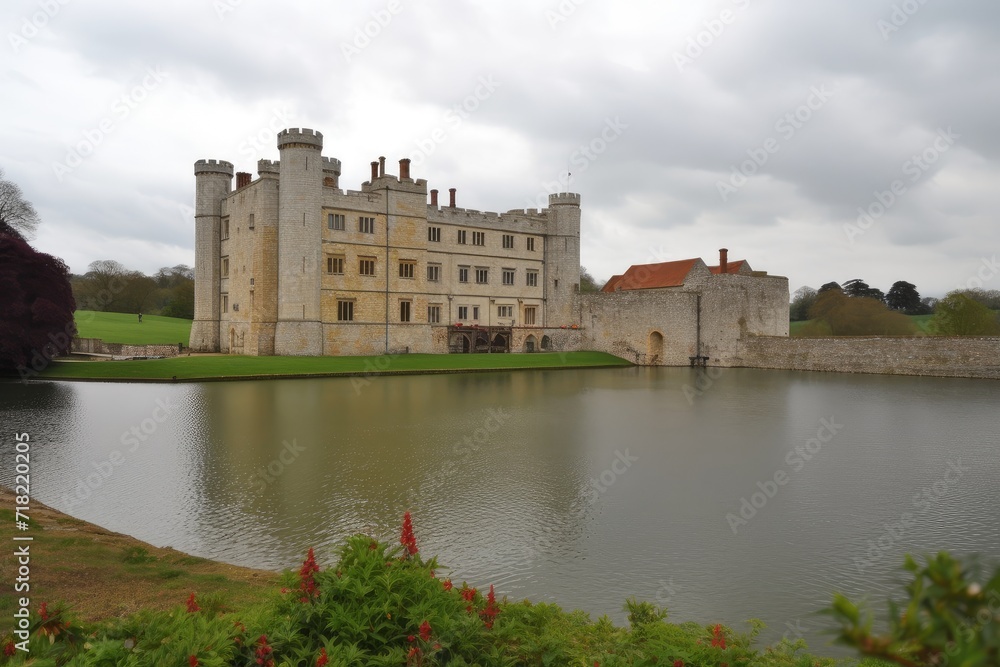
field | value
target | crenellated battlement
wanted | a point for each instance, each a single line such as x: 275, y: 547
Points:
x: 213, y: 167
x: 515, y: 220
x: 300, y: 136
x: 331, y: 165
x: 268, y: 167
x: 564, y: 199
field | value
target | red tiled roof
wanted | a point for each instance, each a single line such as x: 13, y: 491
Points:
x: 650, y: 276
x: 731, y: 267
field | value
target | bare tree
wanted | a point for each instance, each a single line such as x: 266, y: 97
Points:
x: 17, y: 216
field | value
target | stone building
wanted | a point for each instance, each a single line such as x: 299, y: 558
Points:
x: 292, y: 264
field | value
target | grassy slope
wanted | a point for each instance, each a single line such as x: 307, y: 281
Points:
x: 89, y: 568
x: 125, y: 328
x: 196, y: 367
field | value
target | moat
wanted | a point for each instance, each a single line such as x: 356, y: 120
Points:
x: 748, y: 494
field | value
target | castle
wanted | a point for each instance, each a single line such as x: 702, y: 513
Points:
x: 291, y: 264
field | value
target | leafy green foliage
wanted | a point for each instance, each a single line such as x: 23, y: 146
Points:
x: 949, y: 619
x: 837, y: 314
x: 958, y: 314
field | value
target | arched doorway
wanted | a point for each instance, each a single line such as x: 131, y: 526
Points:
x: 654, y: 352
x: 546, y: 342
x: 466, y: 344
x: 530, y: 343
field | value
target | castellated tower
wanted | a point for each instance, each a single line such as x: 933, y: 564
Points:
x: 213, y: 181
x: 299, y: 330
x: 562, y: 259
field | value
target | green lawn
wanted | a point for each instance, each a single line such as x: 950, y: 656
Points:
x: 125, y: 328
x: 226, y: 366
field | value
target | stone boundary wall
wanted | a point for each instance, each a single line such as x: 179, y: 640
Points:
x: 966, y: 356
x: 98, y: 346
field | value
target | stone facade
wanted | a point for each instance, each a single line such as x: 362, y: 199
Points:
x: 971, y: 357
x: 291, y: 264
x: 99, y: 347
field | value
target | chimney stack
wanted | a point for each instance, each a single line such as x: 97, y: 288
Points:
x: 242, y: 179
x: 404, y: 169
x: 451, y: 197
x: 723, y: 260
x: 381, y: 166
x: 374, y: 171
x: 434, y: 197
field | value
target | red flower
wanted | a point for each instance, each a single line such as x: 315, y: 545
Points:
x: 718, y: 639
x: 307, y: 583
x: 322, y: 659
x: 468, y: 594
x: 263, y: 653
x: 678, y: 663
x: 9, y: 649
x: 406, y: 538
x: 43, y: 611
x: 193, y: 661
x: 425, y: 631
x: 192, y: 605
x: 447, y: 584
x: 410, y: 638
x: 491, y: 610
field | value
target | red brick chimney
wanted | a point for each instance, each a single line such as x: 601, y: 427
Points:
x: 374, y: 171
x: 434, y: 197
x: 404, y: 169
x: 451, y: 197
x: 242, y: 179
x: 723, y: 260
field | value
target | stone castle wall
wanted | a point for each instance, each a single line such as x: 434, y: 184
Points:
x: 971, y: 357
x: 98, y: 346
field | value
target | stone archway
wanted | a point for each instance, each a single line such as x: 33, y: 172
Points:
x: 654, y: 351
x: 546, y: 343
x: 530, y: 343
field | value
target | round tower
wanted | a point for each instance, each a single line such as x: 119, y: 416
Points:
x: 299, y: 330
x: 562, y: 259
x: 213, y: 181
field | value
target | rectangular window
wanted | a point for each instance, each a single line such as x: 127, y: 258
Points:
x: 407, y: 268
x: 482, y: 275
x: 335, y: 265
x: 529, y: 315
x: 530, y: 244
x: 434, y: 314
x: 345, y: 311
x: 329, y: 264
x: 366, y: 266
x: 366, y: 225
x: 463, y: 313
x: 505, y: 311
x: 225, y: 267
x: 508, y: 276
x: 508, y: 240
x: 404, y: 311
x: 434, y: 272
x: 475, y: 313
x: 225, y: 303
x: 251, y: 221
x: 463, y: 274
x: 251, y: 283
x: 478, y: 238
x: 434, y: 234
x: 461, y: 236
x: 531, y: 278
x: 225, y: 229
x: 335, y: 221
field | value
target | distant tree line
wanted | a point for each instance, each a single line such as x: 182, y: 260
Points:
x: 111, y: 287
x: 855, y: 309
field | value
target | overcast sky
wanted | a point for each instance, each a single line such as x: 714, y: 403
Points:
x: 758, y: 125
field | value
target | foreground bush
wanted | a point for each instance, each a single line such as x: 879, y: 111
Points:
x: 384, y: 605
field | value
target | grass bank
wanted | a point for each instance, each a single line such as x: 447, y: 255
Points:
x: 106, y: 575
x: 126, y: 328
x: 221, y: 367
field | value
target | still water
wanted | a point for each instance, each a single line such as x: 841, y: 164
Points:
x: 581, y: 487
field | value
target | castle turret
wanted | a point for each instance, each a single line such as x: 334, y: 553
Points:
x: 213, y: 181
x: 562, y: 259
x: 299, y: 329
